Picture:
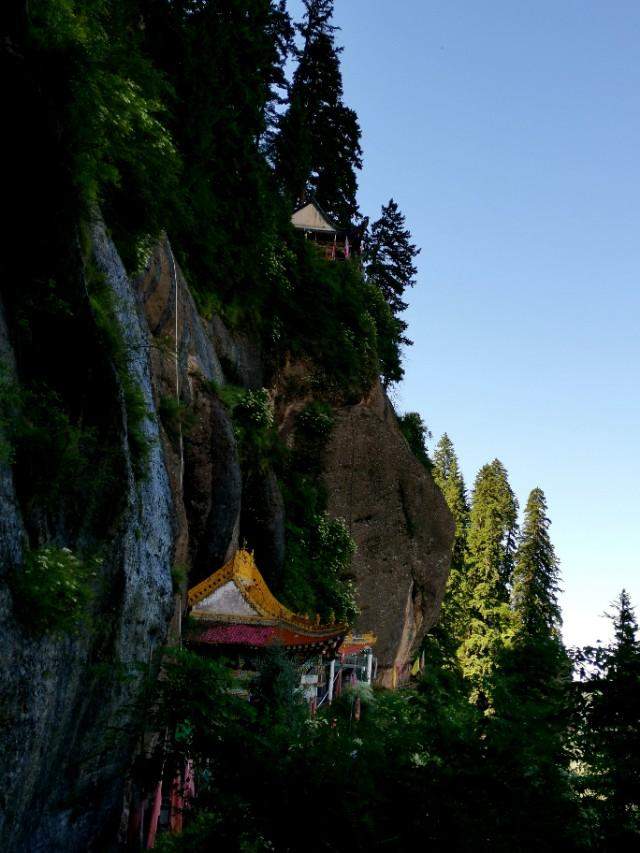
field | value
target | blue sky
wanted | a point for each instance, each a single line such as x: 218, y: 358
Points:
x: 509, y: 134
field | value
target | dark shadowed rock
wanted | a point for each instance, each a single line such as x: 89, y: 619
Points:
x: 64, y: 744
x: 262, y: 523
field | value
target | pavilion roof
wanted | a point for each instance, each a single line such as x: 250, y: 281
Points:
x: 236, y: 607
x: 311, y: 217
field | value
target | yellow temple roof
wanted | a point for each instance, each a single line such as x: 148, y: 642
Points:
x: 238, y: 595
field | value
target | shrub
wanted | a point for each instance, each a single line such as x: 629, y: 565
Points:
x: 253, y: 425
x: 53, y: 589
x: 416, y: 434
x: 177, y: 417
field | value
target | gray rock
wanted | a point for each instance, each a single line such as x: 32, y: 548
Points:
x: 65, y: 746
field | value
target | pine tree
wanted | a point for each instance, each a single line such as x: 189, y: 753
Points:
x: 390, y: 259
x: 447, y: 474
x: 491, y: 548
x: 612, y: 731
x: 531, y: 681
x: 317, y: 150
x: 535, y: 582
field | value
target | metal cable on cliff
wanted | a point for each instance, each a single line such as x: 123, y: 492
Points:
x: 175, y: 290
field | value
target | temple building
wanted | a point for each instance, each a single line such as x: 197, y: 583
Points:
x: 333, y: 242
x: 237, y: 616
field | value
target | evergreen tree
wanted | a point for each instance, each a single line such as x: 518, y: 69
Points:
x: 447, y: 474
x: 491, y: 546
x: 612, y: 731
x: 535, y: 581
x: 390, y: 259
x: 531, y: 680
x: 317, y: 150
x: 225, y: 61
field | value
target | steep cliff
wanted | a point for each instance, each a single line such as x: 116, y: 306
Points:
x: 396, y: 514
x: 401, y: 525
x: 67, y: 701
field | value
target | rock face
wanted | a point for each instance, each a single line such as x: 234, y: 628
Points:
x: 64, y: 750
x: 401, y: 525
x: 201, y: 453
x: 64, y: 746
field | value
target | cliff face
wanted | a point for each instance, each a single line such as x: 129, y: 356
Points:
x: 401, y: 525
x: 64, y: 746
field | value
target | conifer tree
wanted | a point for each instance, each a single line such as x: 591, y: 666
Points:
x: 225, y: 62
x: 612, y: 731
x: 317, y: 150
x: 535, y: 580
x: 531, y: 681
x: 447, y: 474
x: 389, y: 257
x: 491, y: 548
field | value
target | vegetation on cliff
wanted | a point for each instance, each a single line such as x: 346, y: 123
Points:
x: 179, y: 116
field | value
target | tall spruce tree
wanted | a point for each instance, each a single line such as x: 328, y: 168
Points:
x: 447, y: 474
x: 390, y: 260
x: 531, y: 682
x: 535, y: 578
x: 317, y: 150
x: 491, y: 549
x: 612, y: 731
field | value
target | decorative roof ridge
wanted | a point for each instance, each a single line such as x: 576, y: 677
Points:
x: 367, y: 638
x: 244, y: 573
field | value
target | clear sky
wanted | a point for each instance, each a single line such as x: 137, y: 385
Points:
x: 509, y: 134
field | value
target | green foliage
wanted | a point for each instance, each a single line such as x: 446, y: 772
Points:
x: 317, y: 568
x: 225, y: 63
x: 176, y: 416
x: 447, y: 474
x: 253, y: 425
x: 389, y: 260
x: 179, y: 577
x: 343, y: 340
x: 416, y: 434
x: 491, y: 548
x: 122, y: 155
x: 52, y: 590
x: 56, y: 458
x: 317, y: 150
x: 536, y: 572
x: 319, y: 549
x: 608, y: 726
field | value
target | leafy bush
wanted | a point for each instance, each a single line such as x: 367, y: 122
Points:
x: 317, y: 567
x: 416, y: 434
x: 319, y: 549
x: 113, y: 112
x: 53, y: 589
x: 253, y: 425
x: 177, y: 417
